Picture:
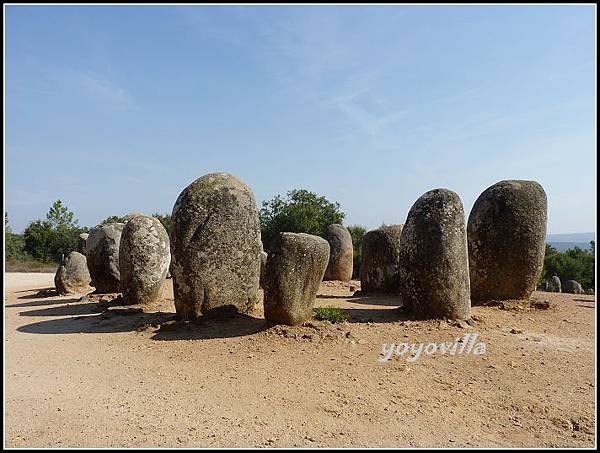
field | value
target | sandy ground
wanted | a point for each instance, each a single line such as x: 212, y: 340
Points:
x: 88, y: 373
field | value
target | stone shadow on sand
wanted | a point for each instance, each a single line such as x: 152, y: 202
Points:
x: 364, y: 315
x: 112, y: 316
x: 239, y: 325
x: 366, y: 299
x: 70, y: 309
x: 40, y: 294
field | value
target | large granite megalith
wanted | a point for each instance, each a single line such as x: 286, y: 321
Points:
x: 215, y: 247
x: 295, y: 267
x: 144, y: 257
x: 507, y: 240
x: 434, y: 262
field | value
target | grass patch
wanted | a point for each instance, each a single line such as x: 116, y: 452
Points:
x: 331, y: 314
x: 29, y: 266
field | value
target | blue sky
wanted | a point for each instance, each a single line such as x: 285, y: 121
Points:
x: 118, y: 109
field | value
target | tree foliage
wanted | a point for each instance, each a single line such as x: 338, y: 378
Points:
x: 572, y: 264
x: 51, y: 239
x: 357, y: 232
x: 14, y: 244
x: 300, y: 212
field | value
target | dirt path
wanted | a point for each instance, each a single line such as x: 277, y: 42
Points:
x: 86, y: 374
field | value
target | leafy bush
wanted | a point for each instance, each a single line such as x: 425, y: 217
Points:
x: 573, y: 264
x: 357, y: 232
x: 51, y: 239
x: 301, y: 212
x: 14, y: 244
x: 331, y: 314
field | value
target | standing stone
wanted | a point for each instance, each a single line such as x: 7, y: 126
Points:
x: 572, y: 287
x: 507, y: 241
x: 215, y: 247
x: 434, y: 261
x: 144, y: 257
x: 295, y: 268
x: 554, y: 284
x: 72, y: 275
x: 263, y: 264
x: 380, y: 260
x: 81, y: 242
x: 341, y: 253
x: 102, y: 253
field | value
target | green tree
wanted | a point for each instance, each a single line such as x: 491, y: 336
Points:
x: 14, y: 244
x: 38, y: 238
x: 300, y: 212
x: 112, y: 219
x: 572, y: 264
x: 51, y: 239
x: 357, y: 232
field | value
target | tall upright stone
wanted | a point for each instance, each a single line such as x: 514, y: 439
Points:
x: 341, y: 253
x: 434, y: 262
x: 102, y: 254
x: 215, y: 247
x: 380, y: 260
x: 554, y: 284
x: 144, y: 257
x: 72, y: 276
x: 507, y: 241
x: 295, y: 268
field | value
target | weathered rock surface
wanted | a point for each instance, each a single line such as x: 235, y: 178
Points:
x: 127, y: 217
x: 102, y: 253
x: 434, y: 261
x: 215, y: 247
x: 72, y: 275
x: 380, y: 260
x: 554, y: 284
x: 341, y: 253
x: 507, y: 240
x: 144, y: 257
x: 572, y: 287
x: 81, y: 240
x: 295, y: 268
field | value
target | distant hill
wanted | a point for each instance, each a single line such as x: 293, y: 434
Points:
x: 562, y: 242
x: 562, y: 246
x: 570, y: 237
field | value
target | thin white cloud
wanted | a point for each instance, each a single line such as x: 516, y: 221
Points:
x: 103, y: 90
x: 94, y: 86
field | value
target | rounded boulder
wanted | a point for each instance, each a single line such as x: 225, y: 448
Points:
x: 554, y: 284
x: 215, y: 247
x: 294, y: 271
x: 144, y: 257
x: 507, y: 240
x: 72, y: 275
x: 380, y: 260
x: 341, y: 253
x: 434, y: 261
x: 102, y: 254
x: 572, y: 287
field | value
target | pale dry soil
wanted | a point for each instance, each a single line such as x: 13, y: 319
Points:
x: 89, y: 373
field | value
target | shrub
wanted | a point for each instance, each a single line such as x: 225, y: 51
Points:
x: 331, y: 314
x: 301, y: 212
